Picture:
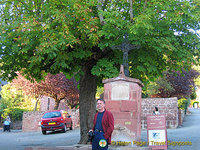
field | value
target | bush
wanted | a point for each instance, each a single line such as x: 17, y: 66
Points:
x: 13, y: 103
x: 182, y: 103
x: 193, y: 95
x: 193, y: 102
x: 15, y: 114
x: 175, y: 84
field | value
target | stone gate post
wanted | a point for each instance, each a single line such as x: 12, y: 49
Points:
x: 123, y: 98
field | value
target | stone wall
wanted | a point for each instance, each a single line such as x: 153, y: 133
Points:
x: 31, y: 120
x: 48, y: 103
x: 16, y: 125
x: 75, y: 117
x: 167, y: 106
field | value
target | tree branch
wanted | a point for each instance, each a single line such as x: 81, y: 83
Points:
x: 99, y: 6
x: 131, y: 10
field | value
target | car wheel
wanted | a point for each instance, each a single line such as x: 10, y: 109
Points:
x: 64, y: 129
x: 44, y: 132
x: 71, y: 126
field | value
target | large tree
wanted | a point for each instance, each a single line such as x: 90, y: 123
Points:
x: 76, y: 36
x: 56, y: 86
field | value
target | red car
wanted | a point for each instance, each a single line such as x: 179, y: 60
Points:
x: 56, y: 120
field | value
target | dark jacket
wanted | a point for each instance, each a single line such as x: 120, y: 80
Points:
x: 107, y: 124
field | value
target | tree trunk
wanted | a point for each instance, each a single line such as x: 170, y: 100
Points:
x: 57, y: 102
x: 87, y: 102
x: 35, y: 109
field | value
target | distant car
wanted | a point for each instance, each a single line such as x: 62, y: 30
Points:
x: 56, y: 120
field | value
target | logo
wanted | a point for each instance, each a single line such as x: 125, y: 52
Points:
x: 102, y: 143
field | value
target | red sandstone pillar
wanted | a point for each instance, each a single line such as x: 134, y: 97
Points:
x: 123, y: 98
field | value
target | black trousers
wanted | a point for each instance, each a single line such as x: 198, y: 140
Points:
x: 99, y: 142
x: 6, y: 128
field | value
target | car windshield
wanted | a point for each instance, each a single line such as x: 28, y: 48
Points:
x: 52, y: 115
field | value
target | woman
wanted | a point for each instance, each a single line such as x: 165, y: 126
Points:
x: 155, y: 111
x: 7, y: 124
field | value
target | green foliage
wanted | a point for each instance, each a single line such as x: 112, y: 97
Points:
x: 105, y: 68
x: 100, y: 91
x: 194, y: 94
x: 10, y: 97
x: 152, y: 89
x: 15, y: 113
x: 59, y: 36
x: 193, y: 102
x: 182, y: 103
x: 197, y: 80
x: 161, y: 85
x: 13, y: 103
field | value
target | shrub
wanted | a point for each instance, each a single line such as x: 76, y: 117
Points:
x: 193, y: 102
x: 182, y: 103
x: 194, y: 94
x: 13, y: 104
x: 15, y: 114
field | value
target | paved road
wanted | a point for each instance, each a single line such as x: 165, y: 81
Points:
x: 17, y: 140
x: 189, y: 132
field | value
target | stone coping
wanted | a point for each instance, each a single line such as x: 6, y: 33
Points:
x: 123, y: 78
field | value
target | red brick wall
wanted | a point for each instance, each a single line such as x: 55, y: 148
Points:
x: 166, y: 106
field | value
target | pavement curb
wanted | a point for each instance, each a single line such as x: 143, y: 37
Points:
x: 86, y: 147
